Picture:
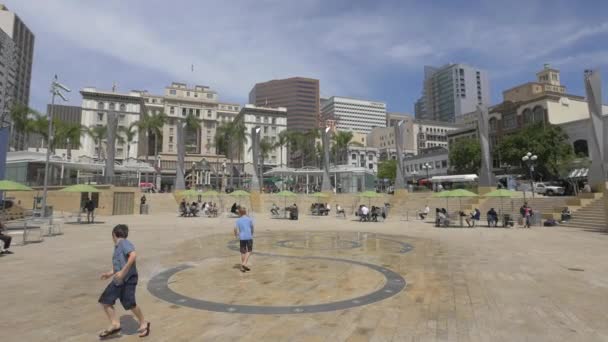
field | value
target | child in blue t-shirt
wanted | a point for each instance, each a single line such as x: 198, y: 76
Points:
x: 123, y: 284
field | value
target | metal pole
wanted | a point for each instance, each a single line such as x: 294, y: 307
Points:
x: 531, y: 167
x: 48, y: 154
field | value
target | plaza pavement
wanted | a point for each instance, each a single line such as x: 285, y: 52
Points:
x: 541, y: 284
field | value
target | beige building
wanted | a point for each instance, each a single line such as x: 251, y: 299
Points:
x: 418, y: 135
x: 548, y: 82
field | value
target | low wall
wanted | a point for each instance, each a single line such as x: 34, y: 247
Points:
x: 70, y: 201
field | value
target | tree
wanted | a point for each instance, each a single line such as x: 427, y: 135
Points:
x: 98, y: 133
x: 68, y: 135
x: 548, y: 142
x: 23, y: 119
x: 282, y: 142
x: 239, y: 137
x: 465, y: 156
x: 342, y: 140
x: 388, y: 169
x: 129, y: 133
x: 152, y: 124
x: 190, y: 123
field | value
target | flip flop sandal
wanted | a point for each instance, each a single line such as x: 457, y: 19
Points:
x: 145, y: 332
x: 108, y: 333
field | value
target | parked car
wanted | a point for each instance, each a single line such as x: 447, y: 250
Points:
x: 549, y: 189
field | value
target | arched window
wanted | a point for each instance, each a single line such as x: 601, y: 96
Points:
x: 581, y: 148
x: 538, y: 114
x: 123, y: 107
x: 112, y: 106
x: 100, y: 105
x: 528, y: 118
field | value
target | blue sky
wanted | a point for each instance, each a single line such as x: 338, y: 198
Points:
x: 369, y: 49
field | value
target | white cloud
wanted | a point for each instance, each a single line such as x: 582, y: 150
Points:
x: 234, y: 44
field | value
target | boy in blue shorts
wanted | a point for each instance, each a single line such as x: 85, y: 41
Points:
x: 243, y: 231
x: 123, y: 284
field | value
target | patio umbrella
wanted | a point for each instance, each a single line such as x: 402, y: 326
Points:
x: 460, y: 193
x: 369, y: 195
x: 80, y: 188
x: 444, y: 194
x: 319, y: 195
x: 7, y: 185
x: 286, y: 194
x: 189, y: 193
x: 501, y: 193
x: 238, y: 194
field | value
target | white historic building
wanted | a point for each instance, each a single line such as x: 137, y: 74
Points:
x: 271, y: 121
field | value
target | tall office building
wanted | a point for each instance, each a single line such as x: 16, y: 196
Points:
x: 298, y: 94
x: 354, y: 114
x: 451, y: 91
x: 23, y: 40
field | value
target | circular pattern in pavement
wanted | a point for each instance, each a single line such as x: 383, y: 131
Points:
x: 394, y: 283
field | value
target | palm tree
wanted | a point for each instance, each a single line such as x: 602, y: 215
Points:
x: 311, y: 136
x: 190, y: 123
x: 282, y: 141
x: 129, y: 134
x: 152, y: 124
x: 239, y: 137
x: 98, y: 133
x: 24, y: 120
x: 67, y: 134
x: 221, y: 144
x: 342, y: 140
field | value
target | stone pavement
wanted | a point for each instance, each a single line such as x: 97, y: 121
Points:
x: 543, y: 284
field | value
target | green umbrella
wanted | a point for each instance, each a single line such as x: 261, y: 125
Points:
x: 239, y: 194
x: 7, y: 185
x: 210, y: 193
x: 285, y: 194
x: 444, y: 194
x: 318, y: 195
x: 502, y: 193
x: 369, y: 195
x: 189, y: 193
x: 80, y: 188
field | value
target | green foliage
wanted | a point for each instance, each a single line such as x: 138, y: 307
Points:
x: 465, y: 156
x: 153, y: 124
x: 387, y: 169
x: 548, y: 142
x: 342, y: 140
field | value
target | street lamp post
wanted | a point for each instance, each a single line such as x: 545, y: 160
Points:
x: 427, y: 167
x: 529, y: 160
x: 56, y: 88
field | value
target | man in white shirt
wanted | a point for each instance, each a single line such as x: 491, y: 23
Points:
x: 365, y: 213
x: 425, y: 212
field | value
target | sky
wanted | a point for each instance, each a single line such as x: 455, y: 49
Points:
x: 374, y: 49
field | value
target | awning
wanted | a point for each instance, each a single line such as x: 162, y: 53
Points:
x: 579, y: 173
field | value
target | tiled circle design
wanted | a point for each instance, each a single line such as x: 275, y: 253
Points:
x: 394, y: 283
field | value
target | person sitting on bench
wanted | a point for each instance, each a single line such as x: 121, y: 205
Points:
x: 425, y: 212
x: 475, y: 216
x: 492, y: 217
x: 566, y: 215
x: 340, y: 210
x: 183, y: 208
x: 274, y: 210
x: 6, y: 239
x: 234, y: 208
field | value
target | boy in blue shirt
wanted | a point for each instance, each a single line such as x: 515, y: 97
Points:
x: 243, y: 231
x: 123, y: 284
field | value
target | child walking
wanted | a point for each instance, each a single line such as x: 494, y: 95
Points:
x: 123, y: 284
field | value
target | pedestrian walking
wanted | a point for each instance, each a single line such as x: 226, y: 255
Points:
x: 243, y: 231
x: 124, y: 281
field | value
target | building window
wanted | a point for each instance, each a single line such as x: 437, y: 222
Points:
x: 353, y: 156
x: 170, y: 138
x: 265, y: 129
x: 370, y: 157
x: 371, y: 166
x: 187, y: 93
x: 170, y: 147
x: 209, y: 96
x: 444, y: 164
x: 209, y: 113
x: 170, y: 130
x: 100, y: 105
x: 99, y: 116
x: 172, y: 92
x: 172, y: 110
x: 183, y: 111
x: 198, y: 113
x: 111, y: 106
x: 274, y: 121
x: 123, y: 107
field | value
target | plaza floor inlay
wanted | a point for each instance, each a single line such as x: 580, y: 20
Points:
x: 283, y: 283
